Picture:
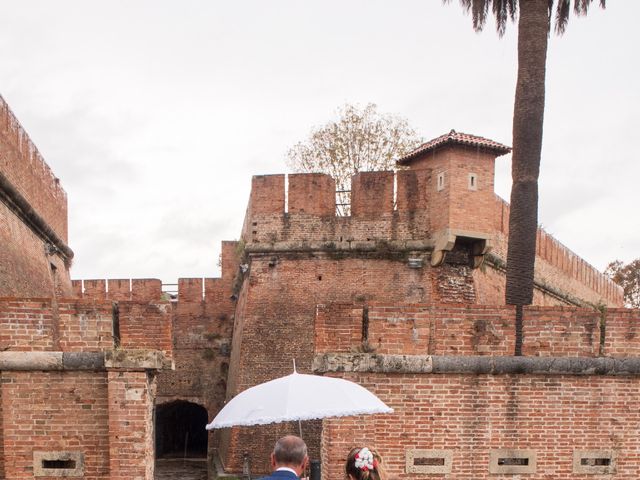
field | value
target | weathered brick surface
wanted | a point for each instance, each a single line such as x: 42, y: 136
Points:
x: 130, y: 410
x: 314, y: 194
x: 55, y: 411
x: 622, y: 337
x: 338, y: 327
x: 146, y: 326
x: 473, y: 414
x: 104, y: 416
x: 202, y: 326
x: 422, y: 212
x: 83, y: 325
x: 372, y: 194
x: 26, y: 325
x: 137, y: 289
x: 25, y: 268
x: 24, y: 167
x: 276, y: 313
x: 477, y: 330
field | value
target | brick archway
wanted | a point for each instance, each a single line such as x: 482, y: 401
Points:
x: 180, y: 430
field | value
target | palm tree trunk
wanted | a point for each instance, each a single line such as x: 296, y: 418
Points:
x: 528, y: 116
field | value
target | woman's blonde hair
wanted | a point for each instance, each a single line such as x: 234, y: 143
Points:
x: 372, y: 472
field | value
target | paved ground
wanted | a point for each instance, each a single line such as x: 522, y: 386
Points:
x: 178, y: 469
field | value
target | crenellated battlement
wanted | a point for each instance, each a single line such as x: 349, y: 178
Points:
x: 421, y: 329
x: 302, y: 207
x: 425, y: 211
x: 26, y: 170
x: 150, y: 289
x: 84, y: 325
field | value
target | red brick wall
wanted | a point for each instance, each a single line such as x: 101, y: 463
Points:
x: 478, y: 330
x: 83, y: 325
x: 203, y: 326
x: 105, y: 416
x: 146, y: 326
x: 622, y: 337
x: 276, y: 314
x: 421, y: 211
x: 25, y: 268
x: 372, y: 194
x: 55, y: 411
x: 137, y: 289
x: 473, y: 414
x: 412, y: 189
x: 24, y: 167
x: 130, y: 409
x: 557, y: 266
x: 314, y: 194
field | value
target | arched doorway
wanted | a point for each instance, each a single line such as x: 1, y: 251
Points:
x: 180, y: 430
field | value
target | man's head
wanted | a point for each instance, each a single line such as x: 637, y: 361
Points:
x: 290, y: 452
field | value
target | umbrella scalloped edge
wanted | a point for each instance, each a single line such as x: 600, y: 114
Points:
x: 268, y: 420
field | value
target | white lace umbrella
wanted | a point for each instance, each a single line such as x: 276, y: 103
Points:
x: 298, y: 397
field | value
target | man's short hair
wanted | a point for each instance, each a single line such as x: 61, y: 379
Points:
x: 290, y: 450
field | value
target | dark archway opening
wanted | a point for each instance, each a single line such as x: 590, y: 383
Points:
x: 180, y: 430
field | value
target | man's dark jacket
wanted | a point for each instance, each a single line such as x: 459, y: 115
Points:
x: 281, y: 475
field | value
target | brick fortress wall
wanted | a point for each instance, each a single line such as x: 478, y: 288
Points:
x: 454, y: 420
x: 68, y: 397
x: 300, y: 255
x: 33, y: 215
x: 202, y: 318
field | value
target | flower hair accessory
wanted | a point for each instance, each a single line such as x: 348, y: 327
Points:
x: 364, y: 460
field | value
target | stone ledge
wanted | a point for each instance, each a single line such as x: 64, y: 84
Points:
x: 129, y: 359
x: 96, y: 361
x: 344, y: 246
x: 478, y: 365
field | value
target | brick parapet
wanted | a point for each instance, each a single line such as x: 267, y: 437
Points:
x: 137, y: 289
x: 27, y: 171
x: 558, y: 266
x: 84, y: 325
x: 476, y: 330
x: 420, y: 213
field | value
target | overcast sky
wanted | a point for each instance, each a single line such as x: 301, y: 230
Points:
x: 155, y: 114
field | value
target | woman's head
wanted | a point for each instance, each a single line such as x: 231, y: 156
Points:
x: 364, y: 464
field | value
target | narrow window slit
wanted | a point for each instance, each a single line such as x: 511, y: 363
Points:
x: 513, y: 461
x: 59, y: 464
x: 430, y: 462
x: 595, y: 462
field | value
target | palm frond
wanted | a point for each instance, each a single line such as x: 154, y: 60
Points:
x: 503, y: 11
x: 563, y: 10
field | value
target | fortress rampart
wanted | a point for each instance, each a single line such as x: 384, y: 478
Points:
x: 308, y: 222
x: 77, y: 386
x: 202, y: 316
x: 26, y: 170
x: 563, y: 410
x: 35, y: 258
